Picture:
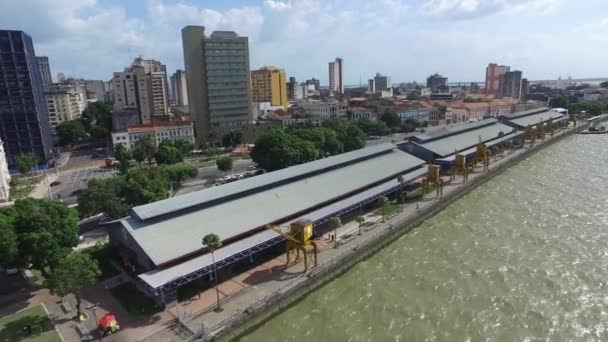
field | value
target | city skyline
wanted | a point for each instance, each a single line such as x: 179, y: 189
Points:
x: 92, y: 39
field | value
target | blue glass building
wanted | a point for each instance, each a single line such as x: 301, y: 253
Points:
x: 24, y: 118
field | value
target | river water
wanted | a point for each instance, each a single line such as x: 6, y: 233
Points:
x: 523, y: 257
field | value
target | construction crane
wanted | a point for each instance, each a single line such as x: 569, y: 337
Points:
x: 530, y: 135
x: 297, y: 239
x: 433, y: 177
x: 482, y: 155
x: 550, y: 127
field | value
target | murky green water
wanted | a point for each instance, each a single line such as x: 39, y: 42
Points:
x: 523, y: 257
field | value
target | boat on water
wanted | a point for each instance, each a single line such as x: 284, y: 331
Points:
x: 595, y: 130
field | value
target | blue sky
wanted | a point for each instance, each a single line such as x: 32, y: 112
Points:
x: 406, y: 39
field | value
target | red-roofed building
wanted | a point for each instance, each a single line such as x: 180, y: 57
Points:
x: 157, y: 132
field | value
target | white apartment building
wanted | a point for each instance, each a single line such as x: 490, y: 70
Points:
x: 157, y: 133
x: 321, y: 110
x: 5, y: 177
x: 336, y: 77
x: 64, y: 103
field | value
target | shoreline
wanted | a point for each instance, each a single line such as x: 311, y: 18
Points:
x: 243, y: 322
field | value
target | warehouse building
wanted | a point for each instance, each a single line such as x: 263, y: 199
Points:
x: 441, y: 146
x: 161, y: 241
x: 531, y: 118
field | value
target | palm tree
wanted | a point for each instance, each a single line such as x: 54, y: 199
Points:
x: 360, y: 220
x: 334, y: 223
x: 213, y: 242
x: 383, y: 201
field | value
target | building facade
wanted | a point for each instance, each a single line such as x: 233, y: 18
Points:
x: 381, y: 82
x: 268, y: 85
x: 5, y: 176
x: 437, y: 83
x: 64, y: 103
x: 95, y: 90
x: 511, y: 85
x: 157, y: 134
x: 143, y: 87
x: 218, y: 78
x: 336, y: 77
x: 45, y: 71
x: 24, y: 119
x: 494, y: 76
x: 321, y: 110
x: 179, y: 88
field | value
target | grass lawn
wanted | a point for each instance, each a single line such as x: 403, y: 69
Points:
x: 21, y: 187
x: 135, y: 302
x: 11, y: 327
x: 103, y: 254
x: 390, y: 208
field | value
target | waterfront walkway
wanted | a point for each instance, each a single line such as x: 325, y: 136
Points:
x: 249, y: 290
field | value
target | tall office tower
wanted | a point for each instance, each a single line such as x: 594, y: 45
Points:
x: 45, y: 71
x: 511, y: 85
x: 381, y: 82
x: 179, y: 88
x: 24, y: 119
x: 142, y: 87
x: 61, y: 77
x: 371, y: 86
x: 217, y: 74
x: 5, y: 176
x: 494, y: 75
x: 268, y: 85
x: 95, y: 90
x: 336, y: 77
x: 291, y: 88
x: 525, y: 88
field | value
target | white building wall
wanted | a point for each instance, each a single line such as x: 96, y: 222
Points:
x: 5, y: 177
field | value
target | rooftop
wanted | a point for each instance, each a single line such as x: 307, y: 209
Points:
x: 236, y: 209
x: 530, y: 120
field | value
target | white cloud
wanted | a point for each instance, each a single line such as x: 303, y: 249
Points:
x: 277, y: 5
x: 477, y: 8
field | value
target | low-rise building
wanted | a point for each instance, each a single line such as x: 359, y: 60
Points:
x: 322, y: 110
x: 356, y: 113
x: 262, y: 109
x: 157, y: 133
x: 5, y: 176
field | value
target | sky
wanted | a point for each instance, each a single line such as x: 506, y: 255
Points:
x: 405, y: 39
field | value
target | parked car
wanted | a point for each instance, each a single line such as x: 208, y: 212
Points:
x: 11, y: 271
x: 252, y: 168
x: 55, y: 183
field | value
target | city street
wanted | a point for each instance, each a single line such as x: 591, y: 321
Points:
x: 76, y: 179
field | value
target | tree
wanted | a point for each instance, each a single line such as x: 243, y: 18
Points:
x: 70, y: 132
x: 373, y: 127
x: 144, y: 185
x: 232, y: 138
x: 559, y: 102
x: 168, y: 155
x: 103, y: 196
x: 180, y: 172
x: 360, y: 220
x: 97, y: 119
x: 72, y: 274
x: 383, y: 202
x: 124, y: 158
x: 276, y: 149
x: 425, y: 125
x: 390, y: 118
x: 8, y: 239
x: 143, y: 149
x: 46, y: 232
x: 224, y: 164
x: 213, y: 242
x: 604, y: 84
x: 335, y: 223
x: 26, y: 162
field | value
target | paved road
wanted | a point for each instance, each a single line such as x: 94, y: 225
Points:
x: 212, y: 173
x: 76, y: 179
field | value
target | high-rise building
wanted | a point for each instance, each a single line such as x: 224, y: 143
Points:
x: 336, y: 77
x: 45, y: 71
x: 268, y: 85
x: 437, y: 83
x: 292, y: 88
x: 179, y: 88
x: 217, y: 74
x: 494, y: 75
x: 511, y: 84
x: 64, y: 103
x: 525, y: 88
x: 24, y: 119
x: 5, y: 176
x: 315, y: 83
x: 381, y: 82
x: 142, y: 87
x: 95, y: 90
x: 371, y: 86
x: 60, y: 77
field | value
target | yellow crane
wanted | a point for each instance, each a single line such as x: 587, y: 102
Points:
x: 460, y: 166
x: 481, y: 155
x: 433, y: 177
x: 297, y: 239
x: 530, y: 135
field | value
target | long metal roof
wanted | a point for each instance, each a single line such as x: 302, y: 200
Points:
x: 158, y: 278
x: 174, y: 236
x: 470, y: 151
x: 448, y: 131
x: 460, y: 142
x: 525, y: 112
x: 200, y: 198
x: 530, y: 120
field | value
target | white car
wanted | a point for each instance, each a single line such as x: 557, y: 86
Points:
x: 11, y: 271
